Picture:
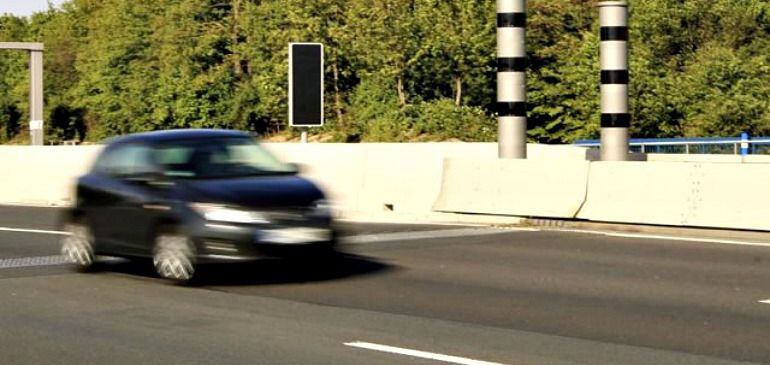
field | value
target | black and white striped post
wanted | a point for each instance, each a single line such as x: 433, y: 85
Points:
x: 613, y: 20
x: 511, y: 79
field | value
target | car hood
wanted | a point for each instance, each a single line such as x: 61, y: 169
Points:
x: 255, y: 192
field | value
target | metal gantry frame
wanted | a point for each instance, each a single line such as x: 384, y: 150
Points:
x: 35, y: 87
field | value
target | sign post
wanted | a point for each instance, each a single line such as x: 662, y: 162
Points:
x: 35, y: 87
x: 306, y: 86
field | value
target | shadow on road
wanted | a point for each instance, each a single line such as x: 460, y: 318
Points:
x: 265, y: 272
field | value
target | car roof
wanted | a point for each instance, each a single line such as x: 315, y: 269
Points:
x: 175, y: 134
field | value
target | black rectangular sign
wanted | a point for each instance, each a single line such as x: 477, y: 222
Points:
x: 306, y: 86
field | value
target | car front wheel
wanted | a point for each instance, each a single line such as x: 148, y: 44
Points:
x: 78, y: 245
x: 173, y: 257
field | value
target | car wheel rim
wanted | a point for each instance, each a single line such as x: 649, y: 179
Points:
x: 173, y: 258
x: 77, y: 246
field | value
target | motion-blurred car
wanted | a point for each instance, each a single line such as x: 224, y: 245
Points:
x: 189, y: 197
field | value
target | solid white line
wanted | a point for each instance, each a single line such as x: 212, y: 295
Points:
x: 419, y: 354
x: 420, y: 235
x: 407, y: 223
x: 26, y: 230
x: 478, y: 231
x: 364, y: 238
x: 669, y: 238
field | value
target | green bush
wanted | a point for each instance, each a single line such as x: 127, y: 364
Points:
x: 441, y: 120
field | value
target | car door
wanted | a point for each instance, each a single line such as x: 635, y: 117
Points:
x: 98, y: 193
x: 118, y: 211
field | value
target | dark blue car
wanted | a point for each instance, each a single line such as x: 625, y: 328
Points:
x: 190, y: 197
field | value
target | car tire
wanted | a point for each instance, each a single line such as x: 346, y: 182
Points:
x: 77, y: 246
x: 173, y: 257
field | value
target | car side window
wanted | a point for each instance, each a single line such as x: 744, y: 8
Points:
x: 125, y: 161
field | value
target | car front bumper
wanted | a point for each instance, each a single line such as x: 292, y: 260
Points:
x: 223, y: 242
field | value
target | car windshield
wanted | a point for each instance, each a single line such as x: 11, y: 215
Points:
x: 214, y: 158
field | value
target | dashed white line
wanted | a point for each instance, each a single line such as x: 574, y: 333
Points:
x: 419, y: 354
x: 766, y: 301
x: 27, y: 230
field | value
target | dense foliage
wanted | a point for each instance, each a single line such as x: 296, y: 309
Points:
x: 396, y: 70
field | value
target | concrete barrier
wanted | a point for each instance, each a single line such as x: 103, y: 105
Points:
x: 407, y: 181
x: 678, y: 157
x: 718, y: 195
x: 379, y: 180
x: 532, y: 188
x: 731, y: 196
x: 42, y: 175
x: 640, y: 192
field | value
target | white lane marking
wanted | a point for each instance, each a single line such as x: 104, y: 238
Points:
x: 364, y: 238
x: 40, y: 261
x: 419, y: 235
x: 668, y: 238
x: 419, y: 354
x: 474, y: 231
x: 766, y: 301
x: 406, y: 223
x: 18, y: 262
x: 35, y: 261
x: 27, y: 230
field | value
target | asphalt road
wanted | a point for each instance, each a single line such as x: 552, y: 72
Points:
x: 497, y: 296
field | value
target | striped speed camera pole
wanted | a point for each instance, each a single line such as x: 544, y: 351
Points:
x: 511, y: 79
x: 613, y: 19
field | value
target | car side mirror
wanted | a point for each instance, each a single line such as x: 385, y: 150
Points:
x: 297, y: 168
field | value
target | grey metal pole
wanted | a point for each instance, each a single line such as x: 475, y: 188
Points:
x: 303, y: 137
x: 36, y: 97
x: 613, y: 20
x: 511, y: 79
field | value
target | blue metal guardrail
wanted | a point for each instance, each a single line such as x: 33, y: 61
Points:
x: 743, y: 145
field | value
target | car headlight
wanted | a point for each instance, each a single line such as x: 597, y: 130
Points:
x: 222, y: 213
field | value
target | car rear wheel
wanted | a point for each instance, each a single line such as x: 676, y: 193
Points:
x: 174, y: 257
x: 78, y: 245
